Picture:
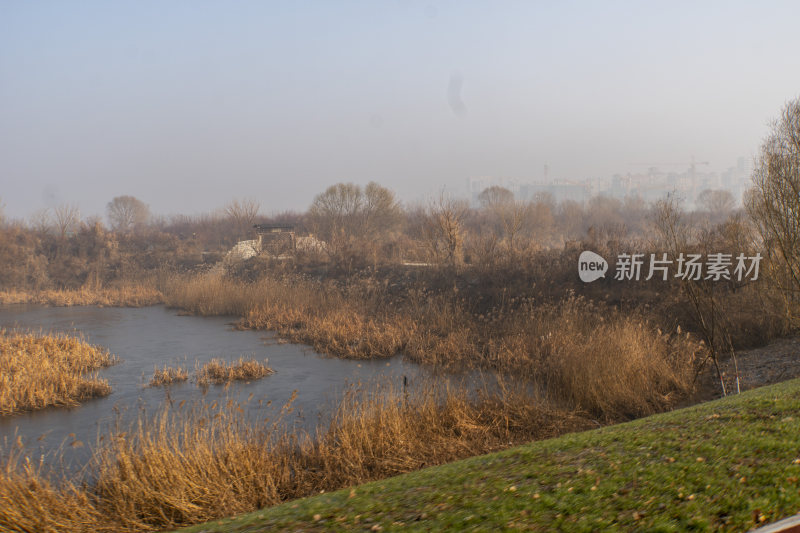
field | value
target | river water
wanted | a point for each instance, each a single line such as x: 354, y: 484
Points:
x: 154, y: 336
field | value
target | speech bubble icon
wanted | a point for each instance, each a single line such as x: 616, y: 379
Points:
x: 591, y: 266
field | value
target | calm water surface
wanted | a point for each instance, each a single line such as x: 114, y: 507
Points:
x: 153, y: 336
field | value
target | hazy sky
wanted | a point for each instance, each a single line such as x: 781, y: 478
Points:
x: 187, y: 105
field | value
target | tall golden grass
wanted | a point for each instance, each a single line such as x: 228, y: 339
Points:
x: 188, y: 465
x: 218, y: 371
x: 37, y: 371
x: 591, y: 356
x: 130, y: 295
x: 214, y: 372
x: 605, y: 362
x: 214, y: 295
x: 167, y: 376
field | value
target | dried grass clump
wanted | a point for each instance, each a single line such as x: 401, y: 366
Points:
x: 210, y: 294
x: 37, y: 371
x: 133, y: 295
x: 168, y: 376
x: 32, y: 501
x: 341, y: 332
x: 614, y: 366
x: 218, y: 371
x: 190, y: 465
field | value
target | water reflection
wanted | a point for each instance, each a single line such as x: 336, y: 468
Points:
x: 153, y: 336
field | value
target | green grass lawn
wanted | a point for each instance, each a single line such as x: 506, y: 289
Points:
x: 731, y: 464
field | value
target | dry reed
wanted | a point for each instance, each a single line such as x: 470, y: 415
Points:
x: 167, y: 376
x: 218, y: 371
x: 591, y: 356
x: 37, y: 371
x: 188, y: 465
x: 138, y: 295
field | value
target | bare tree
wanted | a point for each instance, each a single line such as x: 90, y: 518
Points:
x: 516, y: 218
x: 513, y: 218
x: 495, y: 195
x: 718, y: 202
x: 774, y: 201
x: 381, y: 210
x: 66, y: 218
x: 542, y: 218
x: 571, y: 219
x: 242, y: 213
x: 127, y: 213
x: 508, y: 217
x: 345, y: 213
x: 634, y: 214
x: 41, y: 221
x: 334, y: 213
x: 677, y: 235
x: 444, y: 228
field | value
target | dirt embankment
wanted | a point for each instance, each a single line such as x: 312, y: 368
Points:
x: 777, y: 361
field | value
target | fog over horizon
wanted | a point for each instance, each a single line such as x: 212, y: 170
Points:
x: 188, y: 105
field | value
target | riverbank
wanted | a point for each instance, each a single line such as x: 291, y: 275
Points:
x: 188, y: 464
x: 730, y: 464
x: 595, y: 358
x: 136, y: 295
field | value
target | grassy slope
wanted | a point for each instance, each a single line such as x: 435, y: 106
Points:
x: 727, y: 464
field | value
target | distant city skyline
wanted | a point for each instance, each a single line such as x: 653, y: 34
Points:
x: 651, y: 184
x: 188, y: 105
